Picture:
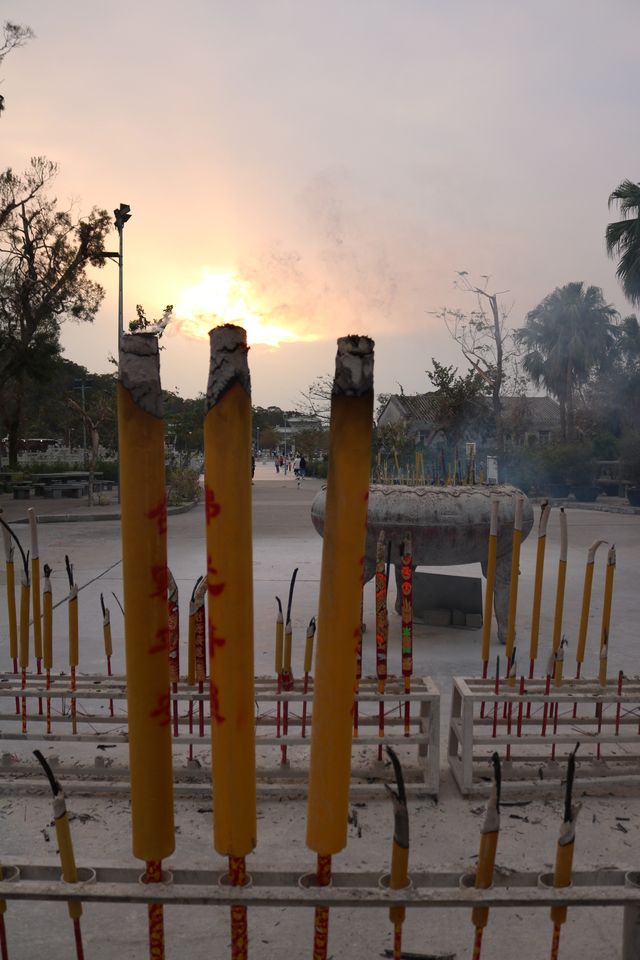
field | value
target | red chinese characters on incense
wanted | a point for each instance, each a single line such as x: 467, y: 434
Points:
x: 339, y: 614
x: 227, y: 446
x: 144, y: 556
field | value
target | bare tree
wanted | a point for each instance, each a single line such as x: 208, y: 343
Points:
x: 92, y: 423
x: 13, y: 35
x: 485, y: 342
x: 316, y: 400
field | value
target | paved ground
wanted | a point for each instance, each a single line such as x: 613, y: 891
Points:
x: 444, y: 836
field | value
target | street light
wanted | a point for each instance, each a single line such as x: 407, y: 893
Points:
x: 120, y: 217
x: 257, y: 439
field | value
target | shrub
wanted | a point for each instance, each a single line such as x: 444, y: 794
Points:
x: 571, y: 463
x: 182, y: 486
x: 318, y: 468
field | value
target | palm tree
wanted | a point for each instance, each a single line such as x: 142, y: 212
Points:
x: 566, y: 337
x: 623, y: 238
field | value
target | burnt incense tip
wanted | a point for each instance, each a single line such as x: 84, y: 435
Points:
x: 139, y: 371
x: 354, y: 367
x: 228, y: 364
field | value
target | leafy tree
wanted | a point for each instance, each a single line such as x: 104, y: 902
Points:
x: 13, y: 35
x: 459, y: 403
x: 623, y: 238
x: 566, y: 337
x: 44, y: 256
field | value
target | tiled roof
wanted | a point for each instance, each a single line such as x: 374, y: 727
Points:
x: 543, y: 411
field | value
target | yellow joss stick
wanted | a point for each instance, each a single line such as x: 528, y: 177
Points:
x: 4, y: 949
x: 35, y: 588
x: 65, y: 848
x: 606, y: 615
x: 191, y: 649
x: 47, y: 634
x: 308, y: 647
x: 173, y: 613
x: 144, y: 559
x: 106, y: 639
x: 586, y: 604
x: 24, y: 638
x: 491, y: 580
x: 399, y: 873
x: 562, y: 576
x: 558, y: 667
x: 279, y: 639
x: 339, y: 610
x: 564, y: 854
x: 513, y: 586
x: 228, y: 509
x: 11, y: 599
x: 74, y: 656
x: 537, y: 588
x: 487, y: 855
x: 308, y: 660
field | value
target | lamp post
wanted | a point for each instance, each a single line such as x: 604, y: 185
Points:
x: 121, y: 215
x: 257, y: 440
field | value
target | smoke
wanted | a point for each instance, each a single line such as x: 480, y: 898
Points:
x: 340, y: 278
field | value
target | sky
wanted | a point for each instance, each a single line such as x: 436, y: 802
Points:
x: 316, y: 169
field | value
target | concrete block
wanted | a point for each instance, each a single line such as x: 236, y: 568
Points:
x: 438, y: 617
x: 458, y: 618
x: 473, y: 620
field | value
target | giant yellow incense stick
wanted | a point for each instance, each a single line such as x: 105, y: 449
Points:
x: 35, y: 589
x: 606, y: 616
x: 339, y: 610
x: 515, y: 574
x: 144, y: 556
x: 227, y: 471
x: 586, y: 604
x: 487, y: 855
x: 11, y: 599
x: 537, y: 588
x: 491, y: 581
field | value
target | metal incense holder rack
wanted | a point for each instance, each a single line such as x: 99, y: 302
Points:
x: 97, y: 725
x: 533, y: 716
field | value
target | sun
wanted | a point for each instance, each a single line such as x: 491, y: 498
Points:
x: 222, y: 296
